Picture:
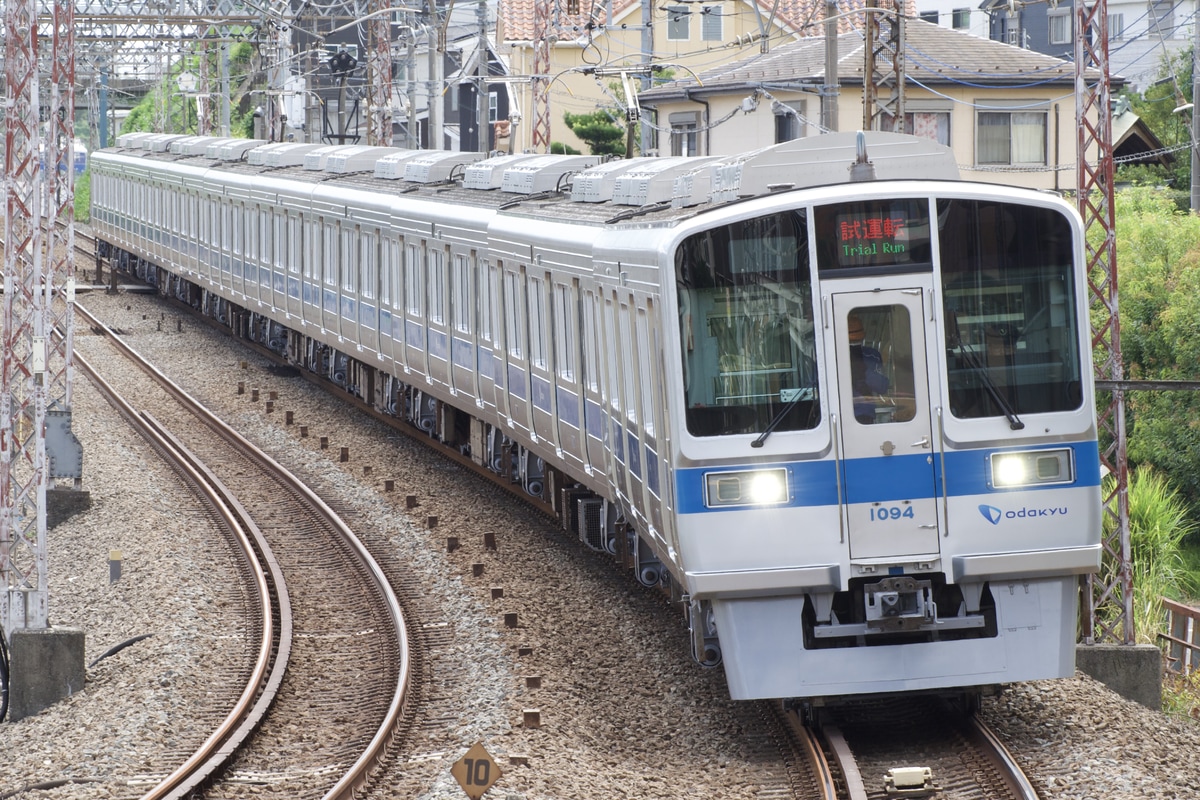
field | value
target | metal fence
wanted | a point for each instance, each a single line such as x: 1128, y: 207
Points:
x: 1183, y: 637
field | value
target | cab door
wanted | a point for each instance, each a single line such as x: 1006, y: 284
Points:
x: 886, y: 425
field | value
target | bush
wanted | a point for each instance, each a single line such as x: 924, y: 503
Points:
x: 1158, y: 523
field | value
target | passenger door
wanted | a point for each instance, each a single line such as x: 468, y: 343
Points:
x: 886, y: 428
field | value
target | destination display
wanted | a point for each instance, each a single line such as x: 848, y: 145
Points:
x: 883, y: 233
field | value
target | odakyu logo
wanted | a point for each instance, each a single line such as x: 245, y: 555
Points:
x: 994, y: 515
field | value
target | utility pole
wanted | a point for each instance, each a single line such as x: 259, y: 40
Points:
x: 647, y: 77
x: 412, y: 141
x: 1195, y: 114
x: 831, y: 90
x: 481, y: 91
x: 437, y: 77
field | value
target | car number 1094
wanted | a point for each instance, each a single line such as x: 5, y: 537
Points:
x: 884, y: 513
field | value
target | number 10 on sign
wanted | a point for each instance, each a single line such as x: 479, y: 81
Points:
x: 475, y: 771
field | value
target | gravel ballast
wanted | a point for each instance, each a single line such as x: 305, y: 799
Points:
x: 624, y: 712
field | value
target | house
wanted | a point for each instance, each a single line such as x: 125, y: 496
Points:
x: 956, y: 14
x: 1140, y: 33
x: 595, y: 51
x: 1007, y: 113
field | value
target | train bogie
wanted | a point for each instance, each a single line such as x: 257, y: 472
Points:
x: 848, y: 427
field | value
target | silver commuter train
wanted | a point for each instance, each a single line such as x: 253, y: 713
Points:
x: 833, y: 524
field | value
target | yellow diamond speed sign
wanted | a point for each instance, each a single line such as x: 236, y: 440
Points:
x: 475, y: 771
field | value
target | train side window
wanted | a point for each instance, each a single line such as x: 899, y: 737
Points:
x: 514, y: 320
x: 591, y: 363
x: 349, y: 260
x: 414, y: 268
x: 294, y: 255
x: 251, y: 232
x: 609, y: 388
x: 225, y: 231
x: 368, y: 264
x: 265, y: 228
x: 329, y: 260
x: 537, y: 323
x: 460, y: 304
x: 437, y: 285
x: 642, y: 329
x: 280, y: 247
x: 624, y: 333
x: 565, y: 326
x: 389, y: 272
x: 486, y: 274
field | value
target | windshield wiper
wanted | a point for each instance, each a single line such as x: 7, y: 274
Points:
x: 801, y: 395
x: 993, y: 391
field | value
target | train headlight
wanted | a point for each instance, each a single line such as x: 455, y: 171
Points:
x: 760, y: 487
x: 1033, y: 468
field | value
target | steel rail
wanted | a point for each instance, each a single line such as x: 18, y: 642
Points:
x: 989, y: 743
x: 356, y: 777
x: 270, y: 591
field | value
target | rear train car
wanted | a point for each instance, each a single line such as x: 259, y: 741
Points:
x: 833, y: 399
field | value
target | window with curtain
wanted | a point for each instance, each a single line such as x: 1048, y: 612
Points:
x: 684, y: 141
x: 1010, y: 137
x: 1060, y: 27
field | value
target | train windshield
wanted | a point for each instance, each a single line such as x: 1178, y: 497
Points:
x: 746, y: 330
x: 1008, y: 290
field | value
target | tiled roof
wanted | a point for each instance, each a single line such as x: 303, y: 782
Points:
x: 933, y: 55
x: 800, y: 16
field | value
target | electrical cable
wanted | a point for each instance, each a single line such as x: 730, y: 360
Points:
x: 118, y: 648
x: 3, y: 676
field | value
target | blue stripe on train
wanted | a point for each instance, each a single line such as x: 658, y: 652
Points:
x: 883, y: 479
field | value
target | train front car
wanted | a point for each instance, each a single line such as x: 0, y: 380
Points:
x: 886, y: 473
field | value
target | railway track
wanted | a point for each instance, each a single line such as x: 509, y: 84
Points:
x: 842, y: 760
x: 914, y: 747
x: 320, y: 727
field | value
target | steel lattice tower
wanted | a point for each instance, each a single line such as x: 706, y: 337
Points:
x: 379, y: 77
x: 541, y: 76
x: 1108, y: 602
x: 23, y: 377
x: 883, y: 69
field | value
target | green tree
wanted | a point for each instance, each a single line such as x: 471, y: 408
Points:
x: 1159, y: 272
x: 599, y: 131
x: 245, y: 77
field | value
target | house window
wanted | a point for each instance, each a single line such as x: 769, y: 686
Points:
x: 789, y: 121
x: 1011, y: 137
x: 711, y: 24
x: 677, y: 23
x: 684, y: 139
x: 1060, y: 28
x: 1162, y: 19
x: 962, y: 18
x: 929, y: 16
x: 932, y: 125
x: 1116, y: 26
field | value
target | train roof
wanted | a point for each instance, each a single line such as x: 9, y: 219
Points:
x: 646, y: 189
